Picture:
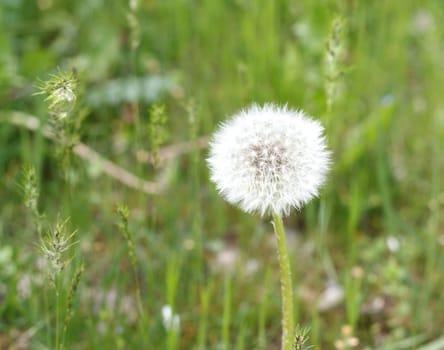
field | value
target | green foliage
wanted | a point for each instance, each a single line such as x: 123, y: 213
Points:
x: 61, y: 94
x: 75, y: 282
x: 157, y: 131
x: 334, y: 57
x: 62, y: 91
x: 301, y: 338
x: 123, y: 212
x: 31, y: 195
x: 135, y: 77
x: 54, y: 247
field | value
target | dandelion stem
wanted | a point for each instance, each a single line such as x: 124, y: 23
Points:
x: 286, y: 285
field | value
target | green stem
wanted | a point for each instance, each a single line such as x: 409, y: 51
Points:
x: 286, y: 286
x: 47, y: 318
x: 57, y: 325
x: 143, y: 325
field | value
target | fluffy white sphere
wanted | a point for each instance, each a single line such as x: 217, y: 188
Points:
x: 269, y: 159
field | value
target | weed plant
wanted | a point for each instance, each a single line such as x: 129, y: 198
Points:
x: 184, y: 269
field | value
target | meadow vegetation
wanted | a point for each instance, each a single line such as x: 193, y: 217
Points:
x: 113, y: 237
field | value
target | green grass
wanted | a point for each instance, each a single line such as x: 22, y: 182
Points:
x: 212, y: 58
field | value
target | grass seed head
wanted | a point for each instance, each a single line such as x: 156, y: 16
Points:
x: 54, y: 246
x: 61, y: 93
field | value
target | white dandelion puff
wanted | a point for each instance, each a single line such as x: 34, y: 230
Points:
x: 269, y: 159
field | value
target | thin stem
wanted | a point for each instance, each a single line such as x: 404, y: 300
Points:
x: 57, y: 325
x: 286, y: 285
x: 143, y: 326
x: 47, y: 317
x: 227, y: 317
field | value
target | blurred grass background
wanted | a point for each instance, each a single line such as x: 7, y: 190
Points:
x: 367, y: 255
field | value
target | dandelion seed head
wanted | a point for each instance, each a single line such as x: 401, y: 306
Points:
x: 269, y: 159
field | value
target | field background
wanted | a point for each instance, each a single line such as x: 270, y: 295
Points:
x: 367, y: 256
